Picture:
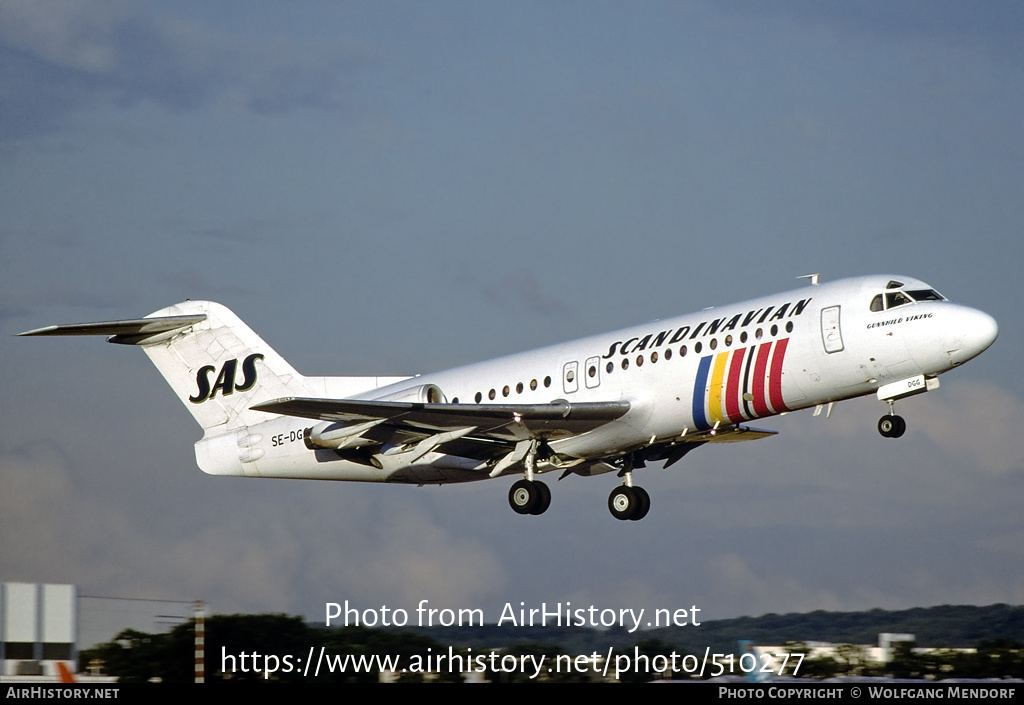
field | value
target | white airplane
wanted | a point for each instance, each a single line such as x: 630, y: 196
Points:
x: 606, y: 403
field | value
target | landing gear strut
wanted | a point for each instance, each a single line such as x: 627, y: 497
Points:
x: 891, y: 425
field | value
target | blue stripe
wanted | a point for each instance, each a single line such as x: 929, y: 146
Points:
x: 699, y: 390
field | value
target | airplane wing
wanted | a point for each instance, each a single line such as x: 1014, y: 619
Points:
x: 673, y: 451
x: 485, y: 432
x: 505, y: 423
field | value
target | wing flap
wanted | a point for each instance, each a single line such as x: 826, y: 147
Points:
x: 503, y: 422
x: 735, y: 434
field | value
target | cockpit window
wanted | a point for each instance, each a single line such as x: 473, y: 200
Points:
x: 892, y: 299
x: 893, y: 284
x: 926, y: 295
x: 896, y: 298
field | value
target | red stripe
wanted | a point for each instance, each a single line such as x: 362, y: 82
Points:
x: 775, y: 382
x: 732, y: 389
x: 760, y: 367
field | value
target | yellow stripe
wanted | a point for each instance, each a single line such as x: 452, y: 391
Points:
x: 715, y: 411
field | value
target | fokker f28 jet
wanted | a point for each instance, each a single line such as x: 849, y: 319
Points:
x: 604, y: 404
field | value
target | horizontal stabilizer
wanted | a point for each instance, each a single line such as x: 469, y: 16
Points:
x: 130, y: 332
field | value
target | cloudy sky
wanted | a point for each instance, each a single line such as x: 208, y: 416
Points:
x: 400, y: 187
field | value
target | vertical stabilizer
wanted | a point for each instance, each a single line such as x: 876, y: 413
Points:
x: 219, y: 367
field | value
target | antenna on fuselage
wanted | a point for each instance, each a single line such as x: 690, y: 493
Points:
x: 812, y: 277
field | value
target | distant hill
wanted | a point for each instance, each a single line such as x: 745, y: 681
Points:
x: 954, y: 626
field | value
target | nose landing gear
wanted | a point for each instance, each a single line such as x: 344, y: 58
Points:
x: 891, y: 425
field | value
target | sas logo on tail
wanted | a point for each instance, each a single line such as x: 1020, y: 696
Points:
x: 226, y: 379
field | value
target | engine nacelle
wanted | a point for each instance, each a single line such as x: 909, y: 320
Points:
x: 423, y: 394
x: 335, y: 435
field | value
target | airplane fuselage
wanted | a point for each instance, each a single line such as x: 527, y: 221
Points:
x: 606, y: 403
x: 686, y: 375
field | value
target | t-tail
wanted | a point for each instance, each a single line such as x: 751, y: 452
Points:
x: 216, y: 365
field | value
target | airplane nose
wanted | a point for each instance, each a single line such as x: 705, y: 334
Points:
x: 976, y: 331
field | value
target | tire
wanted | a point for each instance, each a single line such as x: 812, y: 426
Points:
x: 623, y: 503
x: 544, y: 498
x: 523, y: 497
x: 643, y: 503
x: 892, y: 426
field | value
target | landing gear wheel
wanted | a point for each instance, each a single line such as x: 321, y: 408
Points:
x: 545, y: 497
x: 892, y: 426
x: 901, y: 427
x: 630, y: 503
x: 643, y: 503
x: 622, y: 502
x: 523, y: 497
x: 526, y: 497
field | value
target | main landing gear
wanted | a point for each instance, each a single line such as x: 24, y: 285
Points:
x: 630, y: 503
x: 529, y: 497
x: 891, y: 425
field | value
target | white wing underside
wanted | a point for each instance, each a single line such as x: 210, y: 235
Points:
x: 485, y: 430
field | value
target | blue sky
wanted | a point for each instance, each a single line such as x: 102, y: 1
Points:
x: 399, y: 187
